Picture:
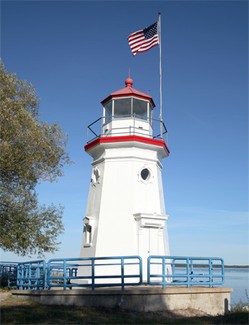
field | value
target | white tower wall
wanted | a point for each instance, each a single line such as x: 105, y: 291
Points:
x: 126, y: 213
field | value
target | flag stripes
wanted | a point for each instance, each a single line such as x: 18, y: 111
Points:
x: 144, y: 39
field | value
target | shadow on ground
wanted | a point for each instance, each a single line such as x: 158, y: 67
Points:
x: 19, y: 311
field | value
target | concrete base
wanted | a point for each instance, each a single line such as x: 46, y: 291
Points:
x: 211, y: 301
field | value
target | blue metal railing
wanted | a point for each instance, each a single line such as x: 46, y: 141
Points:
x: 94, y: 272
x: 31, y: 275
x: 8, y: 274
x: 185, y: 271
x: 120, y: 271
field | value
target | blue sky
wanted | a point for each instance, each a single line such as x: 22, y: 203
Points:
x: 76, y: 53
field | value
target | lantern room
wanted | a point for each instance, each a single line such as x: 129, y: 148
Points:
x: 127, y: 112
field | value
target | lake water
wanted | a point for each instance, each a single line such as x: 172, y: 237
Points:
x: 238, y: 280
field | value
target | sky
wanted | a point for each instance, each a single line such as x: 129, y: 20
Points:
x: 75, y: 53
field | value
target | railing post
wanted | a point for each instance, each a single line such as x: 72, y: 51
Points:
x: 140, y: 270
x: 134, y: 124
x: 101, y: 127
x: 44, y: 275
x: 122, y: 272
x: 49, y: 274
x: 222, y: 270
x: 211, y: 271
x: 148, y: 270
x: 173, y: 268
x: 93, y: 272
x: 64, y: 275
x: 188, y: 282
x: 163, y: 271
x: 37, y: 276
x: 18, y: 281
x: 28, y: 270
x: 191, y: 271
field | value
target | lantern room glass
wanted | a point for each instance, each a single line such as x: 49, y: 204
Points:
x: 108, y: 112
x: 140, y: 108
x: 122, y: 107
x: 117, y: 108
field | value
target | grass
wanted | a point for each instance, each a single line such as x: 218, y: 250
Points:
x: 21, y: 311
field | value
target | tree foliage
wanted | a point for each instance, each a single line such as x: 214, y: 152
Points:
x: 30, y: 151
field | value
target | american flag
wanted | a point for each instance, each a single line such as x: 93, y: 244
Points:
x: 144, y: 39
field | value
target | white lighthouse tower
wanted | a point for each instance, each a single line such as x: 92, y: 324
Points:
x: 126, y: 212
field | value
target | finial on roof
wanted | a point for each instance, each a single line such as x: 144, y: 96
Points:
x: 129, y: 82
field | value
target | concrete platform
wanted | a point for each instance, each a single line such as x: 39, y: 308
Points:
x: 211, y: 301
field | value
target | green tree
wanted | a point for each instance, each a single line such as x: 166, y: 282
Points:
x: 30, y: 151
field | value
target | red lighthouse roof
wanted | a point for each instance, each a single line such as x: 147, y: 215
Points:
x: 129, y: 91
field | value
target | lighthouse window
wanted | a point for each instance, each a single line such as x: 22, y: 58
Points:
x: 87, y: 235
x: 145, y: 174
x: 122, y: 107
x: 140, y: 108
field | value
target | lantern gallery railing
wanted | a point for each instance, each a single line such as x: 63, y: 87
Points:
x: 188, y: 271
x: 120, y: 271
x: 128, y: 125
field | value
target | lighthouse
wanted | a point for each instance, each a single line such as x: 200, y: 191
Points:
x: 125, y: 212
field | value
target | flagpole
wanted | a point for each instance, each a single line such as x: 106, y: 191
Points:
x: 160, y: 73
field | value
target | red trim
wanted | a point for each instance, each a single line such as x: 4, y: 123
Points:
x: 126, y: 138
x: 128, y: 96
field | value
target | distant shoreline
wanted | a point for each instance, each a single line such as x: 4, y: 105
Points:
x: 237, y: 266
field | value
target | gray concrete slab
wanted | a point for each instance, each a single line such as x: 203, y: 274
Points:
x: 212, y: 301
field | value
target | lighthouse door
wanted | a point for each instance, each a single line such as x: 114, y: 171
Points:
x: 149, y: 240
x: 152, y: 241
x: 149, y: 244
